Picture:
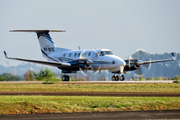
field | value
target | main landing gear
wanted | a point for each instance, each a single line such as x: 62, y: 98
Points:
x: 65, y: 78
x: 118, y: 78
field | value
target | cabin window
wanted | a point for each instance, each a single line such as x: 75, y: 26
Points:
x: 75, y: 54
x: 70, y: 55
x: 64, y: 55
x: 113, y: 62
x: 85, y: 54
x: 89, y: 53
x: 78, y: 54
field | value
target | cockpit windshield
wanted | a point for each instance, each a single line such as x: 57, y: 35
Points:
x: 106, y: 53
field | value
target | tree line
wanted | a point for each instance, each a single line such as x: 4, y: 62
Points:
x: 29, y: 76
x: 47, y: 75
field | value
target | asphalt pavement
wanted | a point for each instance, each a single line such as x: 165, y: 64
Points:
x: 163, y: 114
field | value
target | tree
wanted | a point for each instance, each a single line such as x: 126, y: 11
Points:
x: 9, y: 77
x: 1, y: 78
x: 176, y: 78
x: 45, y: 75
x: 30, y: 75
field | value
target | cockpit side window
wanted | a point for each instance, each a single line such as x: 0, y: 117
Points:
x: 110, y: 53
x: 106, y: 53
x: 103, y: 53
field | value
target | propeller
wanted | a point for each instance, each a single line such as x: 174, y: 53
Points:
x: 139, y: 72
x: 86, y: 54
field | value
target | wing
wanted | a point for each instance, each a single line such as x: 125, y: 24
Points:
x: 156, y: 61
x: 54, y: 64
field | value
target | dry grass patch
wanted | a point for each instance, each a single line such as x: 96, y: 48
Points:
x: 154, y: 87
x: 68, y: 104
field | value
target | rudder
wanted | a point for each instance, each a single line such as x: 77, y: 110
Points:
x: 46, y: 43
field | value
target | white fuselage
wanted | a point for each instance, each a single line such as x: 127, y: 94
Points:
x: 103, y: 59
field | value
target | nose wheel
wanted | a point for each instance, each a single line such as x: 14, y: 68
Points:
x: 65, y: 78
x: 118, y: 78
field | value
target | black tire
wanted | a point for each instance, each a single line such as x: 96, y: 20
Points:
x: 63, y: 78
x: 113, y: 78
x: 122, y: 77
x: 67, y: 78
x: 117, y: 78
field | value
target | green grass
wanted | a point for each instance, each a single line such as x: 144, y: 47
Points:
x: 67, y: 104
x: 154, y: 87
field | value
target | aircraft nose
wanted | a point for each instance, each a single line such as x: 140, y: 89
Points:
x: 121, y: 62
x: 124, y: 63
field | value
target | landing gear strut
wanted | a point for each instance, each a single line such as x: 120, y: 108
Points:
x: 65, y: 78
x: 117, y: 78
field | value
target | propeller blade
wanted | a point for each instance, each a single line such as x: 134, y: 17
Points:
x: 129, y: 62
x: 97, y: 70
x: 148, y: 66
x: 140, y: 53
x: 82, y: 72
x: 139, y: 72
x: 82, y: 55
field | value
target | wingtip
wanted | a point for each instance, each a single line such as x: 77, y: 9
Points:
x: 11, y: 30
x: 173, y: 56
x: 5, y: 54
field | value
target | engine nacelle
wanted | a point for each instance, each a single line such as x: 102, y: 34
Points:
x: 84, y: 63
x: 131, y: 64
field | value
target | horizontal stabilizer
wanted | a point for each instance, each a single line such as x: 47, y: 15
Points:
x: 37, y: 31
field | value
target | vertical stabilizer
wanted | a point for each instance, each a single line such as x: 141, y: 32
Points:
x: 46, y: 43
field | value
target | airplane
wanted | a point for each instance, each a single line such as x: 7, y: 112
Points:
x: 71, y: 61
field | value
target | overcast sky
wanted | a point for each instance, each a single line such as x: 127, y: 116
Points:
x: 120, y: 25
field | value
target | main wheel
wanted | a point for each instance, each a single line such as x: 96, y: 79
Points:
x: 113, y: 78
x: 65, y: 78
x: 117, y: 78
x: 122, y: 77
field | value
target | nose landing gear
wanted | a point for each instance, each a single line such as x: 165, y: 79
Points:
x: 118, y: 78
x: 65, y: 78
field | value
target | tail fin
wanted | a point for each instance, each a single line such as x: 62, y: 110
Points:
x: 46, y: 43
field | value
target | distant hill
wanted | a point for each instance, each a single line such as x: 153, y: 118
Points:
x: 164, y: 69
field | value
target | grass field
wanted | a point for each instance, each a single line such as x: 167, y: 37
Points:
x: 64, y: 104
x: 154, y: 87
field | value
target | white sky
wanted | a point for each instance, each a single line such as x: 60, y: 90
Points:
x: 120, y: 25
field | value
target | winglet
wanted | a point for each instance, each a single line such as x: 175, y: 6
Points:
x: 5, y: 54
x: 173, y: 56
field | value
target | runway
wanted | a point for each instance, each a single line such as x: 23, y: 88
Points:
x: 130, y: 94
x: 159, y: 114
x: 93, y: 82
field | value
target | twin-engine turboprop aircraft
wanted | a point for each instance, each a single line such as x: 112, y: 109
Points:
x: 71, y: 61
